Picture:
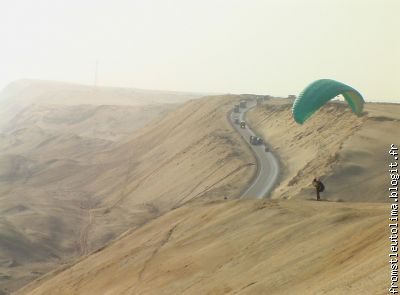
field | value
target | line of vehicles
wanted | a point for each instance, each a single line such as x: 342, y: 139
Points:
x: 254, y: 140
x: 242, y: 105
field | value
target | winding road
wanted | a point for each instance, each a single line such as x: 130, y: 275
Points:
x: 267, y: 163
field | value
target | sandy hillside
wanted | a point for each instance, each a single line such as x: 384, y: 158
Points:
x: 349, y: 153
x: 239, y: 247
x: 292, y: 246
x: 108, y: 122
x: 66, y: 192
x: 193, y: 153
x: 19, y: 95
x: 25, y: 92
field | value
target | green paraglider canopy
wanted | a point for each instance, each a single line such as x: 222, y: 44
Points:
x: 319, y: 93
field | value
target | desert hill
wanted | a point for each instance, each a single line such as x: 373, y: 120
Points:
x: 74, y: 177
x: 207, y: 245
x: 19, y: 95
x: 349, y: 153
x: 109, y: 122
x: 239, y: 247
x: 191, y: 153
x: 25, y: 92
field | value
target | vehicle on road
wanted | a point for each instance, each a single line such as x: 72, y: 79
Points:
x: 255, y: 140
x: 242, y: 124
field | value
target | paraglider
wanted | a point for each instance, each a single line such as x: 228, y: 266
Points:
x: 319, y: 93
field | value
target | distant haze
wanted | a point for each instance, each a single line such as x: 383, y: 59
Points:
x: 236, y: 46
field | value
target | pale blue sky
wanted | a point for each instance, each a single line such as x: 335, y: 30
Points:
x: 238, y: 46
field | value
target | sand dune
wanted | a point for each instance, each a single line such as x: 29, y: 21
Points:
x: 288, y: 245
x: 26, y: 92
x: 108, y: 122
x: 191, y: 153
x: 68, y: 189
x: 246, y: 247
x: 20, y: 95
x: 349, y: 153
x: 48, y: 147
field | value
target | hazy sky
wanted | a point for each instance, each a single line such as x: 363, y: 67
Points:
x: 244, y: 46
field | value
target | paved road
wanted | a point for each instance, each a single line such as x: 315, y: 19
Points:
x: 267, y: 164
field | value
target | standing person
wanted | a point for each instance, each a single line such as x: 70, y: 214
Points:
x: 319, y: 187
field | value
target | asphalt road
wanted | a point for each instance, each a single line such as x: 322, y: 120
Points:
x: 267, y: 163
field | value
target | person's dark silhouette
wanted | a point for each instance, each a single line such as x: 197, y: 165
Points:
x: 319, y: 187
